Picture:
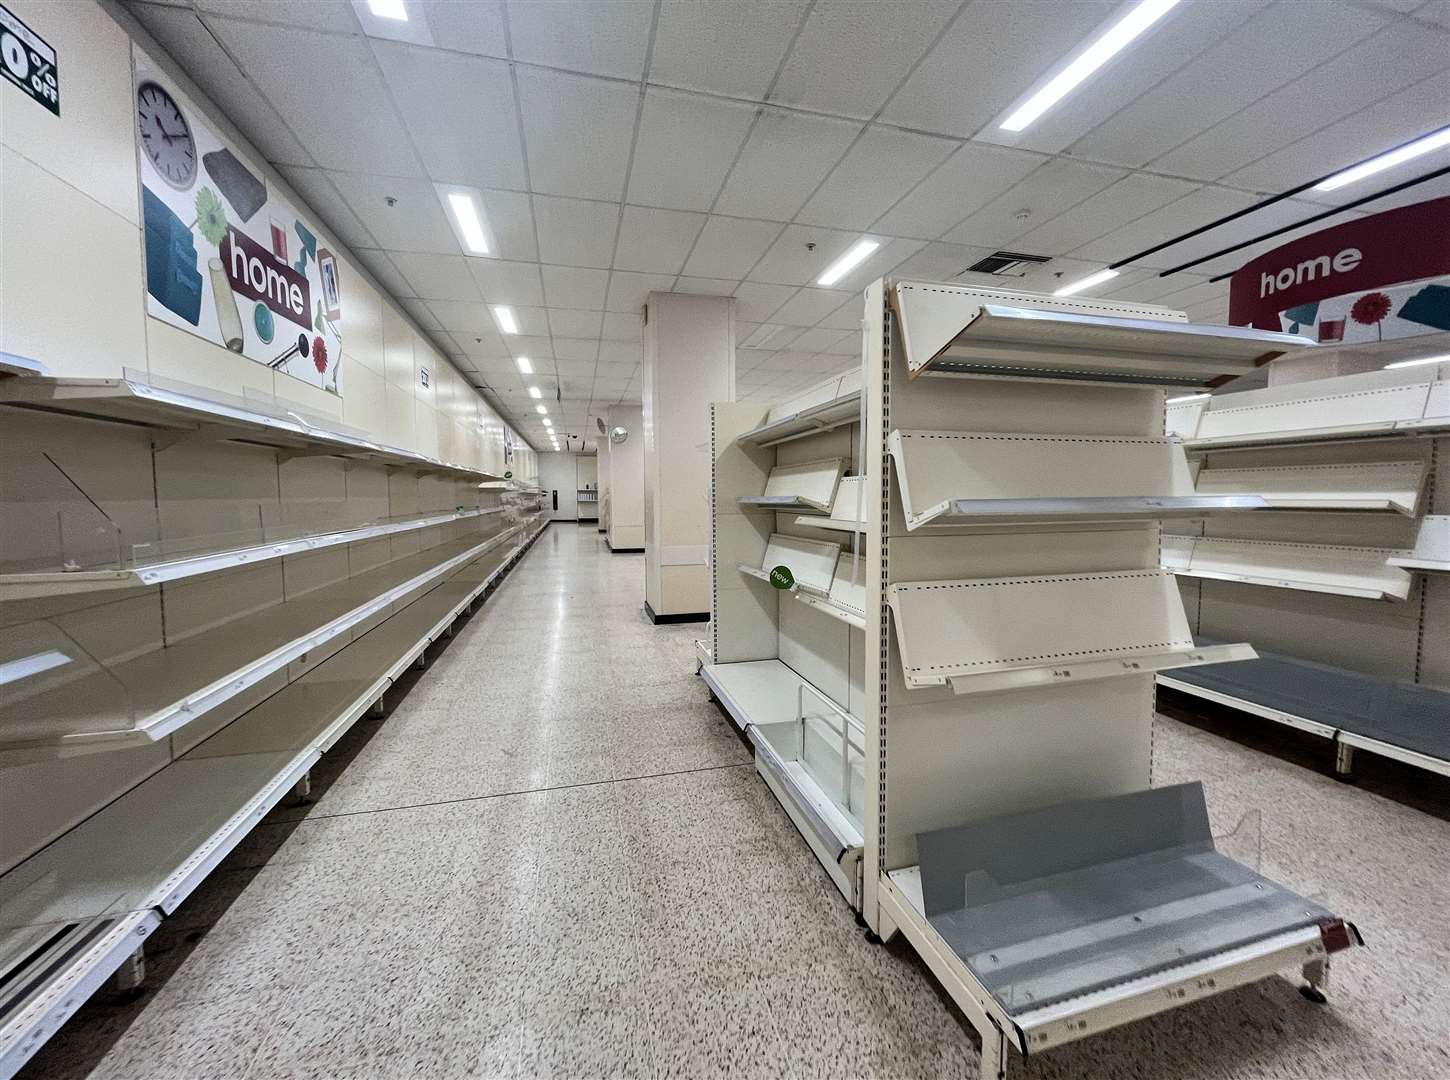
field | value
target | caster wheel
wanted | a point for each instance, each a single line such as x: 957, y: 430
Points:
x: 1314, y: 994
x: 872, y: 938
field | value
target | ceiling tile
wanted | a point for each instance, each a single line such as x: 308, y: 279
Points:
x: 656, y: 241
x: 938, y: 262
x: 883, y: 163
x: 462, y: 317
x: 623, y: 325
x: 970, y: 178
x: 539, y: 349
x: 1049, y: 190
x: 420, y: 314
x: 459, y: 111
x: 1269, y: 50
x: 531, y: 321
x: 807, y: 307
x: 414, y: 222
x: 575, y: 233
x: 849, y: 58
x: 577, y: 132
x: 785, y: 158
x: 1396, y: 119
x: 731, y: 49
x: 758, y: 301
x: 627, y: 291
x: 1392, y: 59
x: 316, y: 192
x: 701, y: 286
x: 620, y: 352
x: 570, y: 287
x: 436, y: 277
x: 848, y: 316
x: 801, y: 254
x: 619, y: 369
x: 182, y: 35
x: 329, y: 90
x: 686, y: 145
x: 1189, y: 212
x: 1116, y: 205
x: 501, y: 282
x: 576, y: 348
x: 509, y: 218
x: 576, y: 368
x: 566, y: 322
x: 474, y: 27
x: 381, y: 267
x: 988, y: 57
x: 334, y: 16
x: 602, y: 37
x: 729, y: 247
x: 487, y: 350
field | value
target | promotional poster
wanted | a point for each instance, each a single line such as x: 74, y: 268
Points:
x: 227, y: 258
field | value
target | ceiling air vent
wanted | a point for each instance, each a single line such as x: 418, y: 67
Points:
x: 1006, y: 264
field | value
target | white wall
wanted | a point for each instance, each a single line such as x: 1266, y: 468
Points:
x: 626, y: 479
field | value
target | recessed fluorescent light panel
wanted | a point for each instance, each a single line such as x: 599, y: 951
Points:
x: 470, y: 224
x: 1388, y: 160
x: 1441, y: 358
x: 1186, y: 397
x: 535, y: 392
x: 847, y: 262
x: 548, y: 423
x: 505, y: 317
x: 525, y: 366
x: 542, y: 410
x: 1117, y: 38
x: 388, y: 9
x: 1086, y: 283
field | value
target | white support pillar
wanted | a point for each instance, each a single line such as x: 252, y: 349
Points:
x: 626, y: 480
x: 689, y: 361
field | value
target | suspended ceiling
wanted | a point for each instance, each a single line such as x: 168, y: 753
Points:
x: 737, y: 147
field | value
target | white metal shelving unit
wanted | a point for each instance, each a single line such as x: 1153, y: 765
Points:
x: 1013, y: 614
x: 71, y: 914
x: 1354, y: 468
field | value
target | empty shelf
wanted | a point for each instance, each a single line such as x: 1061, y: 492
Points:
x: 1400, y: 720
x: 1406, y: 401
x: 1323, y: 568
x: 23, y: 586
x: 159, y: 691
x: 843, y: 407
x: 808, y: 486
x: 846, y: 600
x: 983, y: 635
x: 848, y: 509
x: 1059, y: 911
x: 12, y: 364
x: 189, y: 411
x: 978, y: 478
x: 959, y: 330
x: 1377, y: 485
x: 812, y: 563
x: 1432, y: 546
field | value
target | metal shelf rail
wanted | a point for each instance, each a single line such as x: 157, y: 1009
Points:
x: 806, y: 487
x: 959, y: 330
x: 83, y: 707
x: 73, y: 913
x: 985, y: 478
x: 1008, y: 672
x: 1397, y: 720
x: 189, y: 412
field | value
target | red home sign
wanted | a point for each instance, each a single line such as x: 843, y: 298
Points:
x: 259, y: 275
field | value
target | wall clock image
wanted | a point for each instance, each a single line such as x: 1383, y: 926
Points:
x: 165, y: 136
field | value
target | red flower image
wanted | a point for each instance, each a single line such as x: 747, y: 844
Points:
x: 1370, y: 309
x: 319, y: 353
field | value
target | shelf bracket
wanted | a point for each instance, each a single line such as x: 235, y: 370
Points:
x: 204, y: 433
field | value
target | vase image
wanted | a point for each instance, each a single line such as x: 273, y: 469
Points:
x: 228, y: 319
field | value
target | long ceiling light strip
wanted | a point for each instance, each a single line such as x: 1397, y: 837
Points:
x: 1425, y: 144
x: 1113, y: 41
x: 848, y: 262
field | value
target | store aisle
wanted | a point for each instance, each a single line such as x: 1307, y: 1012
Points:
x: 554, y: 858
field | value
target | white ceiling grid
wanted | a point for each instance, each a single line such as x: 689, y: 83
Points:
x: 738, y: 147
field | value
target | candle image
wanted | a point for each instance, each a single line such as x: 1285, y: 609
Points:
x: 229, y: 321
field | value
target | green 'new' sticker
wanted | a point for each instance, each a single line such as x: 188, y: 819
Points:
x: 782, y: 578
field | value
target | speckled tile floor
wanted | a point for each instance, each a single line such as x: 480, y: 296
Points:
x: 554, y: 859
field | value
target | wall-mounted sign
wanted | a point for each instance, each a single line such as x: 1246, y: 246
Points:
x: 423, y: 377
x: 28, y: 62
x: 1376, y: 278
x: 226, y: 258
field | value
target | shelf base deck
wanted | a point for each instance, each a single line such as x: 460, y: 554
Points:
x: 1395, y: 720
